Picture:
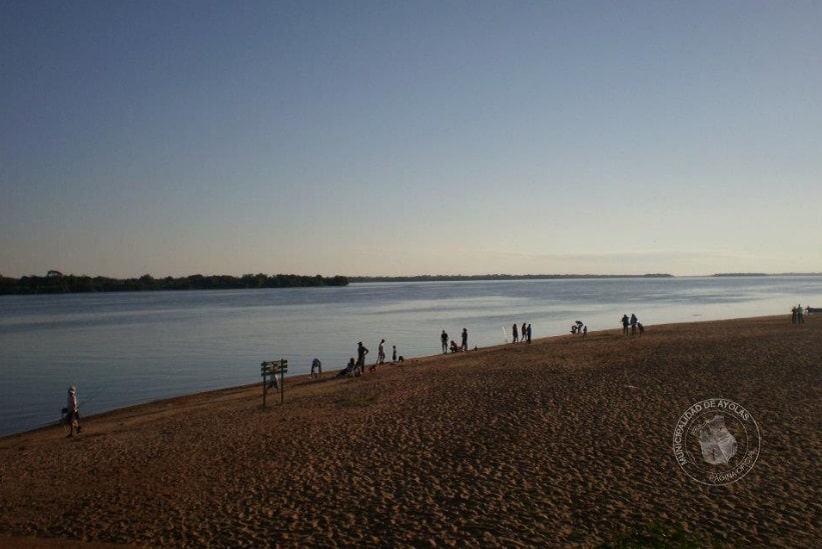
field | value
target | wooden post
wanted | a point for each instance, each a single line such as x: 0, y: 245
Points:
x: 283, y: 368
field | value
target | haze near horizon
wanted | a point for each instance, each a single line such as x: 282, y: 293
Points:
x: 410, y: 138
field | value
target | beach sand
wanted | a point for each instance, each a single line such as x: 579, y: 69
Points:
x: 559, y: 443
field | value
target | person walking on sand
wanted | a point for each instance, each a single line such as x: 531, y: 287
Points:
x: 444, y: 341
x: 72, y: 412
x: 464, y: 339
x: 381, y: 352
x: 361, y: 352
x: 514, y: 333
x: 625, y: 323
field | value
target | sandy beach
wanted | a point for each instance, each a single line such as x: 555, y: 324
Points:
x: 559, y: 443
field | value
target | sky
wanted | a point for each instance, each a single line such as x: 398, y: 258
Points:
x: 390, y: 138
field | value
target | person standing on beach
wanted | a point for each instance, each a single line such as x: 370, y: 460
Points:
x: 514, y: 334
x: 316, y: 368
x: 381, y: 352
x: 464, y: 339
x: 634, y: 320
x: 625, y: 324
x: 522, y: 333
x: 361, y: 352
x: 528, y: 332
x: 444, y: 341
x: 72, y: 412
x: 394, y: 353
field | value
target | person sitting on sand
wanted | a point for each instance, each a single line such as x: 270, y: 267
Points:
x: 72, y: 412
x: 454, y: 347
x: 641, y: 328
x: 349, y: 369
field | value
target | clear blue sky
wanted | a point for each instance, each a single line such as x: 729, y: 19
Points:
x: 402, y: 138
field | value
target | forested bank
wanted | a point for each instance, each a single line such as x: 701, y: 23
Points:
x: 63, y: 284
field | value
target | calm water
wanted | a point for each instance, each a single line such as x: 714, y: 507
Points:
x: 129, y: 348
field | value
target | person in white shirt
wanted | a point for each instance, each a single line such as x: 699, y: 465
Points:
x: 72, y: 412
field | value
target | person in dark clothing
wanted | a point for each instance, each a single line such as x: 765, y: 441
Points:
x: 361, y: 352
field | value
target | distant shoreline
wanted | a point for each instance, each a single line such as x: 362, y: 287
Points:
x: 57, y: 283
x: 491, y: 277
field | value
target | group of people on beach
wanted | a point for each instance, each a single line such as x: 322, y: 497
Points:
x: 798, y: 315
x: 579, y: 328
x: 357, y: 367
x: 453, y: 347
x: 634, y: 323
x: 523, y: 336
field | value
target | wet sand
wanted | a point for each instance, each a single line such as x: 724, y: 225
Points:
x: 559, y: 443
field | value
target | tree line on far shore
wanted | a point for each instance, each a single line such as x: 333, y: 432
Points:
x: 57, y: 283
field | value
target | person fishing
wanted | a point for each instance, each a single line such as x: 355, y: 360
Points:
x: 72, y: 412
